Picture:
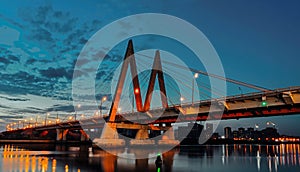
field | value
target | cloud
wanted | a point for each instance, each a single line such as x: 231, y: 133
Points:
x: 40, y: 61
x: 4, y: 61
x: 8, y: 35
x: 11, y: 116
x: 13, y: 58
x: 14, y: 99
x: 41, y: 34
x: 63, y: 108
x: 56, y: 73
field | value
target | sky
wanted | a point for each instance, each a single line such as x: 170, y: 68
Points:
x: 40, y: 41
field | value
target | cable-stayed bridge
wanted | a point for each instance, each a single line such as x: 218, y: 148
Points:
x: 182, y: 100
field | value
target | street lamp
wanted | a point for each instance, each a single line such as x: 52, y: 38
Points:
x: 57, y: 120
x: 36, y: 119
x: 82, y: 116
x: 31, y: 119
x: 101, y: 102
x: 47, y: 114
x: 78, y: 107
x: 24, y: 123
x: 19, y: 124
x: 196, y: 75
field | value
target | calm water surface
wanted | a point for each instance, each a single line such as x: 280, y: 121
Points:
x: 233, y: 158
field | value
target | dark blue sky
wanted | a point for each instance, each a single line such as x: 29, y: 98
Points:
x: 258, y: 43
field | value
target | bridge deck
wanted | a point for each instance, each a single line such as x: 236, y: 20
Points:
x: 277, y: 102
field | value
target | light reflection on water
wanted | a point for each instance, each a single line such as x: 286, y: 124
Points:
x: 233, y: 158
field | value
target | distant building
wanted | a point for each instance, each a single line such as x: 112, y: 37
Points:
x: 228, y: 133
x: 250, y: 129
x: 235, y: 134
x: 249, y: 133
x: 215, y: 136
x: 269, y: 133
x: 189, y: 134
x: 241, y: 132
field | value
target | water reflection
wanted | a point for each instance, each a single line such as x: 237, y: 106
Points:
x: 276, y: 155
x: 15, y: 158
x: 33, y: 158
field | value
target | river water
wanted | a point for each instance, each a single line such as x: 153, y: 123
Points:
x: 210, y: 158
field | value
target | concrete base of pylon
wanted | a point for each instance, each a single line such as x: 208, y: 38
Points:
x: 142, y: 142
x: 109, y: 137
x: 169, y: 143
x: 109, y: 143
x: 142, y: 138
x: 168, y: 139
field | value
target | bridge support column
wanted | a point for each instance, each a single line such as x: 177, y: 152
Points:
x: 142, y: 137
x: 168, y: 138
x: 168, y: 158
x: 83, y: 136
x: 61, y: 134
x: 109, y: 137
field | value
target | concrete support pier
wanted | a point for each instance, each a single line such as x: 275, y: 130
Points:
x: 109, y: 137
x: 142, y: 137
x: 61, y: 134
x: 168, y: 138
x: 83, y: 136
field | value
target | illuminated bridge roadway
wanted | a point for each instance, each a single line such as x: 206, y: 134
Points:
x: 277, y: 102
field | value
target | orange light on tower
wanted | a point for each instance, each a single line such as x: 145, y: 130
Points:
x: 137, y: 90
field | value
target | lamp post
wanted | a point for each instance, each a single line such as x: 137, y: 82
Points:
x: 47, y: 114
x: 78, y: 107
x: 19, y: 124
x: 24, y: 123
x: 57, y: 120
x: 101, y: 102
x: 36, y: 120
x: 196, y: 75
x: 30, y: 123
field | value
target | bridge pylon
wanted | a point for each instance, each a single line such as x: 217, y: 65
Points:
x: 109, y: 136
